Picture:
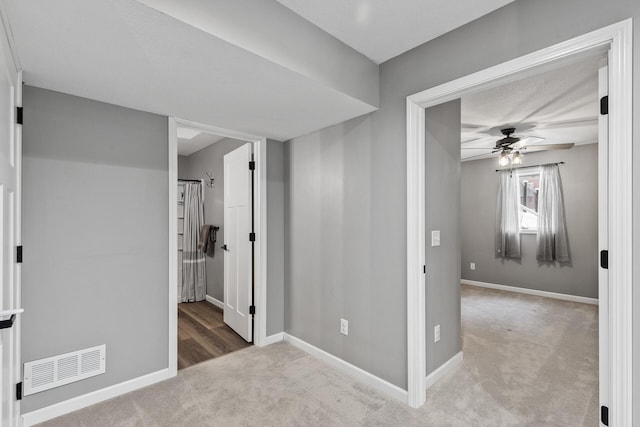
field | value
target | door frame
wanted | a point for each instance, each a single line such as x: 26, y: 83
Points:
x: 618, y: 38
x: 259, y: 144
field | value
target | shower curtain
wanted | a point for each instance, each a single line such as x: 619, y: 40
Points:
x: 193, y: 261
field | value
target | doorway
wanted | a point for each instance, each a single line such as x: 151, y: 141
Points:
x: 617, y: 39
x: 216, y: 263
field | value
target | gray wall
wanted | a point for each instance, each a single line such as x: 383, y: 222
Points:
x: 95, y: 236
x: 211, y: 160
x: 275, y: 237
x: 442, y: 212
x: 375, y: 296
x: 580, y: 186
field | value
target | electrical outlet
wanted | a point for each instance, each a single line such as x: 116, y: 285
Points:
x: 436, y: 333
x: 472, y: 266
x: 344, y: 326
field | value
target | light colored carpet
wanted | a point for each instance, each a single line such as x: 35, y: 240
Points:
x: 527, y: 361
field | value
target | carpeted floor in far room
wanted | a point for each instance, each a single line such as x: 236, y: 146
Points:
x: 528, y: 361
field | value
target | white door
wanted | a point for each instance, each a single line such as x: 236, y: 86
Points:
x: 603, y: 241
x: 238, y: 254
x: 10, y: 183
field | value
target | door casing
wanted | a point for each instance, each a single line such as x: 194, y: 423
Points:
x: 618, y: 39
x: 260, y: 228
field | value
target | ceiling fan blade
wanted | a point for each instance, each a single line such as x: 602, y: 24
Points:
x: 478, y: 155
x: 478, y: 148
x: 585, y: 121
x: 524, y: 141
x: 548, y: 147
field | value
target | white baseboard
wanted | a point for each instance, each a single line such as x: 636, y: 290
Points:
x: 566, y: 297
x: 361, y: 375
x: 443, y: 369
x: 272, y: 339
x: 76, y: 403
x: 215, y: 302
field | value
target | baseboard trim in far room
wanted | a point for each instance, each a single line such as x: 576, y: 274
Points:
x: 447, y: 366
x: 565, y: 297
x: 359, y: 374
x: 58, y: 409
x: 275, y: 338
x: 215, y: 302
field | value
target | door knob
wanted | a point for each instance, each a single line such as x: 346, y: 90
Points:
x: 224, y: 247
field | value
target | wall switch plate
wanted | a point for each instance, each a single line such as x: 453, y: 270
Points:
x: 436, y: 333
x: 472, y: 266
x: 344, y: 326
x: 435, y: 238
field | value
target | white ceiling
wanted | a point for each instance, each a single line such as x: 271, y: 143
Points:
x: 383, y: 29
x: 560, y: 105
x: 126, y: 53
x: 189, y: 144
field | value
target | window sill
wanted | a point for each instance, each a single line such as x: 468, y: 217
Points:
x: 528, y: 232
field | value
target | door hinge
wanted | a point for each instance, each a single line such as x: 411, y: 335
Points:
x: 19, y: 391
x: 604, y: 105
x: 604, y: 415
x: 252, y: 165
x: 252, y: 237
x: 19, y: 254
x: 604, y: 259
x: 252, y: 309
x: 424, y: 269
x: 19, y: 115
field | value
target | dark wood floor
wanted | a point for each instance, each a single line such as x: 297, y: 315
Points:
x: 203, y: 335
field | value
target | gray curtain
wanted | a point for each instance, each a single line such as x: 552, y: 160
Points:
x: 194, y: 274
x: 507, y: 223
x: 552, y: 241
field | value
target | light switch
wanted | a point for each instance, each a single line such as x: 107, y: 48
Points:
x: 435, y: 238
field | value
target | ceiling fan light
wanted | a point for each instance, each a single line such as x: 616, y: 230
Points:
x: 517, y: 158
x: 503, y: 160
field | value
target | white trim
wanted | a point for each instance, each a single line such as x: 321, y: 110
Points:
x: 76, y: 403
x: 618, y: 38
x: 359, y: 374
x: 260, y: 253
x: 416, y: 307
x: 215, y: 302
x: 260, y: 226
x: 173, y: 247
x: 275, y: 338
x: 546, y: 294
x: 447, y: 366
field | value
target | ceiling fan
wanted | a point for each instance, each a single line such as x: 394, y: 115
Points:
x: 511, y: 147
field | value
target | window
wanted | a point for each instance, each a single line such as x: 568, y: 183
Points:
x: 529, y: 184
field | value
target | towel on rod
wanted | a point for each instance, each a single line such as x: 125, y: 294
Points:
x: 203, y: 242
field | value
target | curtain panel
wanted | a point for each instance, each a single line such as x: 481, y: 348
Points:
x: 552, y: 241
x: 507, y: 217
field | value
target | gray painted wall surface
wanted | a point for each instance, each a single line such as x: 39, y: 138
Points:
x: 380, y: 167
x: 275, y: 237
x: 95, y: 236
x: 211, y: 159
x: 442, y: 212
x: 580, y: 186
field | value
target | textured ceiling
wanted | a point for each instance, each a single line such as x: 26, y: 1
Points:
x: 383, y: 29
x: 126, y: 53
x: 560, y: 105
